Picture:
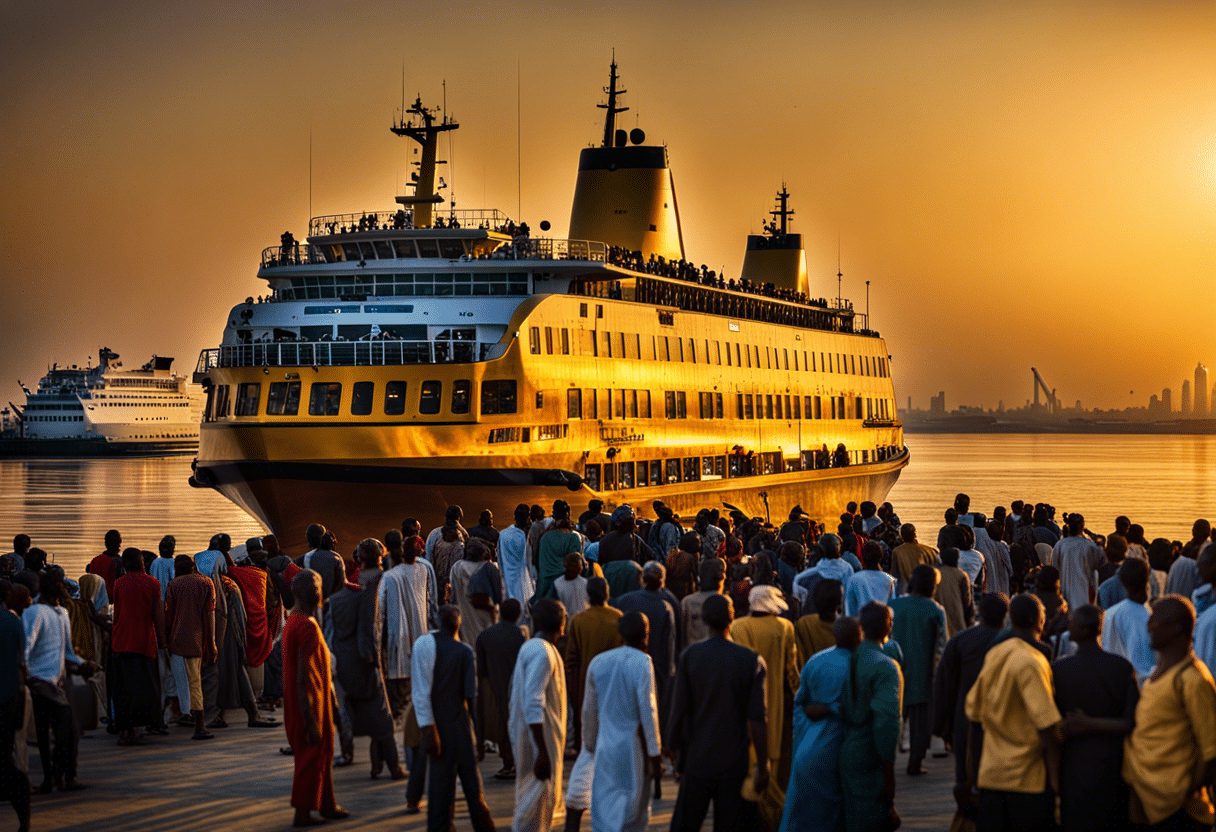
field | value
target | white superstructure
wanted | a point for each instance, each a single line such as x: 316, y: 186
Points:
x: 151, y: 406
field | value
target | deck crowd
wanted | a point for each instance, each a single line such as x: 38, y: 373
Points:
x: 778, y: 668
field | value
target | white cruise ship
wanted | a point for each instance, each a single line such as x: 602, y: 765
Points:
x: 81, y: 411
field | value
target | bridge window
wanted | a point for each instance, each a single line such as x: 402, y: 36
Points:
x: 429, y: 400
x: 361, y: 398
x: 534, y: 340
x: 625, y: 474
x: 394, y: 398
x: 573, y: 404
x: 248, y: 396
x: 462, y: 391
x: 673, y: 471
x: 324, y: 399
x: 591, y: 476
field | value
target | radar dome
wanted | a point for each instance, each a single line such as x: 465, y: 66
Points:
x: 637, y: 135
x: 620, y: 138
x: 544, y: 225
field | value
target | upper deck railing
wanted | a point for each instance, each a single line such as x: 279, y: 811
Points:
x: 521, y: 248
x: 489, y: 219
x: 347, y: 354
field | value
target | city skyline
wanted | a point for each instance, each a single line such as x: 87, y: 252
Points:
x: 1017, y: 185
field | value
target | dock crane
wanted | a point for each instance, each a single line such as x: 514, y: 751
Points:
x: 1053, y: 403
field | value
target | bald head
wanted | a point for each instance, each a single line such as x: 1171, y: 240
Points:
x: 1172, y: 622
x: 449, y: 619
x: 1085, y: 624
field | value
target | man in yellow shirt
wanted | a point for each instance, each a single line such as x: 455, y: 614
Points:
x: 1012, y: 699
x: 1170, y: 757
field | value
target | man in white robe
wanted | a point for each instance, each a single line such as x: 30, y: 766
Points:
x: 619, y: 710
x: 538, y: 721
x: 1125, y: 625
x: 513, y: 558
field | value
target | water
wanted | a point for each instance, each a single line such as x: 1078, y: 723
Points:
x: 1161, y: 482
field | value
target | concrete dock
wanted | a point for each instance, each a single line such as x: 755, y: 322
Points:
x: 240, y: 781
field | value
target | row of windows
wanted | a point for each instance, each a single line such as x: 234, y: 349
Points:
x: 310, y: 287
x: 635, y: 404
x: 325, y: 398
x: 54, y: 419
x: 66, y: 406
x: 603, y: 344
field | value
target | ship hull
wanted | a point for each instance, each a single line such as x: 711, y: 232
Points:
x: 356, y: 501
x: 90, y: 447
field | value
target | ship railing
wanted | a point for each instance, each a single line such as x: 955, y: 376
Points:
x: 485, y: 218
x: 841, y: 304
x: 292, y: 255
x: 207, y: 360
x: 554, y: 248
x: 369, y: 353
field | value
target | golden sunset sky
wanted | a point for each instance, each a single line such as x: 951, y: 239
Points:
x: 1023, y: 183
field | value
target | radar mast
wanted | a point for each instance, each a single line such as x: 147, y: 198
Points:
x: 418, y: 123
x: 610, y: 116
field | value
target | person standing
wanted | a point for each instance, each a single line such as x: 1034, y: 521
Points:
x: 354, y: 636
x: 571, y: 587
x: 484, y: 530
x: 14, y: 783
x: 813, y: 795
x: 593, y: 631
x: 308, y: 696
x: 908, y: 555
x: 1097, y: 692
x: 445, y: 695
x: 48, y: 654
x: 816, y: 631
x: 870, y: 584
x: 497, y: 651
x: 538, y: 720
x: 513, y: 557
x: 1125, y: 630
x: 954, y: 594
x: 477, y: 589
x: 920, y: 630
x: 662, y: 612
x: 711, y: 579
x: 829, y: 566
x: 108, y: 565
x: 559, y: 541
x: 1078, y: 558
x: 1018, y: 774
x: 254, y: 584
x: 132, y: 675
x: 767, y: 632
x: 717, y: 704
x: 621, y: 721
x: 190, y: 621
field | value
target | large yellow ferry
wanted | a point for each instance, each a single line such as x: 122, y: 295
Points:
x: 412, y: 359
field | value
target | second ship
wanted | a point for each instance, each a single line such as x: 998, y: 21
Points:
x: 411, y: 359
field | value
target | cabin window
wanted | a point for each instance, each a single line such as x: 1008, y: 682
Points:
x: 707, y: 467
x: 565, y: 341
x: 858, y: 408
x: 748, y: 409
x: 573, y: 404
x: 795, y: 360
x: 692, y: 469
x: 643, y: 404
x: 729, y: 361
x: 789, y: 414
x: 534, y: 340
x: 797, y: 405
x: 591, y: 476
x: 738, y: 405
x: 681, y: 405
x: 780, y: 410
x: 599, y: 310
x: 540, y: 399
x: 548, y: 340
x: 429, y: 400
x: 248, y: 397
x: 361, y: 398
x: 631, y: 403
x: 324, y: 399
x: 221, y: 401
x: 394, y: 398
x: 462, y: 391
x: 589, y: 404
x: 673, y: 471
x: 625, y: 474
x: 669, y: 402
x: 619, y: 406
x: 706, y: 403
x: 283, y: 398
x: 582, y: 310
x: 656, y: 472
x: 604, y: 400
x: 768, y: 407
x: 609, y: 476
x: 496, y: 397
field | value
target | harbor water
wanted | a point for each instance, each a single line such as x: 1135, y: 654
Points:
x: 1160, y: 482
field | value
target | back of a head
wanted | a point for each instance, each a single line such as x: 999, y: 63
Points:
x: 717, y: 612
x: 793, y: 553
x: 995, y: 529
x: 132, y: 560
x: 453, y: 514
x: 826, y: 597
x: 511, y: 609
x: 1076, y: 523
x: 1048, y: 579
x: 950, y: 556
x: 1133, y: 574
x: 21, y: 544
x: 597, y: 591
x: 829, y: 546
x: 1016, y: 506
x: 536, y: 513
x: 1201, y: 530
x: 1160, y: 554
x: 548, y: 615
x: 1040, y: 516
x: 634, y: 628
x: 168, y: 545
x: 654, y: 572
x: 923, y: 580
x: 1116, y: 548
x: 968, y: 535
x: 710, y: 574
x: 691, y: 543
x: 486, y: 518
x: 962, y: 503
x: 875, y: 620
x: 313, y: 535
x: 31, y: 581
x: 183, y: 565
x: 409, y: 528
x: 908, y: 532
x: 868, y: 509
x: 392, y: 540
x: 871, y: 554
x: 328, y: 541
x: 521, y: 515
x: 35, y: 559
x: 113, y: 539
x: 847, y: 632
x: 1086, y: 617
x: 1025, y: 612
x: 593, y: 530
x: 449, y: 619
x: 369, y: 553
x: 1178, y: 609
x: 951, y: 517
x: 306, y: 587
x: 994, y: 607
x: 595, y: 505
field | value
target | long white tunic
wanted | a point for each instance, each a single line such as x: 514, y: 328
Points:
x: 409, y: 606
x: 619, y: 699
x: 513, y: 561
x: 538, y: 697
x: 1125, y: 633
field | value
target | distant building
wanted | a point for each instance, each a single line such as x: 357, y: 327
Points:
x: 1201, y: 390
x: 937, y: 404
x: 1154, y: 405
x: 1167, y: 400
x: 1186, y: 398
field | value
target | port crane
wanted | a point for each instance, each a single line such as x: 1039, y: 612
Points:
x: 1053, y: 403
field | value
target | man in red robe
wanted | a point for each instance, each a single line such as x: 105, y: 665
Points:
x: 308, y: 706
x: 259, y: 640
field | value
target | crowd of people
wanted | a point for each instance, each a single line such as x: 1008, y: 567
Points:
x: 773, y: 670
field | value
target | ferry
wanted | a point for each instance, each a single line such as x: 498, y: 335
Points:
x: 106, y: 410
x: 412, y: 359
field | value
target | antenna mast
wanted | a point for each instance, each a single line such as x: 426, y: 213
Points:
x: 613, y: 92
x: 839, y: 273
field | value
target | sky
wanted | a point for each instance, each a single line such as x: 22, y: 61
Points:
x: 1023, y: 184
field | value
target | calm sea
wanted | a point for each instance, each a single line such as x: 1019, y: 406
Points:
x: 1161, y: 482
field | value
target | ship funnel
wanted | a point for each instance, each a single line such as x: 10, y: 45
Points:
x: 625, y: 195
x: 777, y: 256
